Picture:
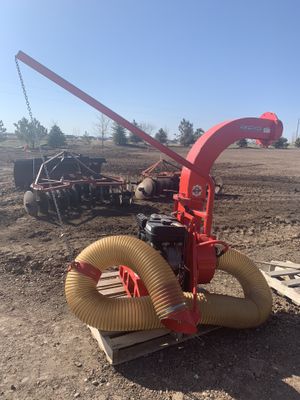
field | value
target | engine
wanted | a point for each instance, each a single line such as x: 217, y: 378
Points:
x: 165, y: 234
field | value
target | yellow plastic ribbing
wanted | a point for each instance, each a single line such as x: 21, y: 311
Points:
x: 127, y: 314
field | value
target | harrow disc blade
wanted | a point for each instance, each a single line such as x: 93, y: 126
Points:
x: 74, y: 198
x: 30, y: 203
x: 127, y: 199
x: 93, y: 195
x: 116, y: 199
x: 43, y: 203
x: 63, y: 199
x: 77, y: 189
x: 218, y: 184
x: 145, y: 189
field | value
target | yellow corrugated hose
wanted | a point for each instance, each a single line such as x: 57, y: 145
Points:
x: 165, y: 294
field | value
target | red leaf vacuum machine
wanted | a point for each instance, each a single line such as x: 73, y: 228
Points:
x: 162, y: 269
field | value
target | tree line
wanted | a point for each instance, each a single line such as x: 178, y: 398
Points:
x: 32, y: 132
x: 281, y: 143
x: 186, y: 136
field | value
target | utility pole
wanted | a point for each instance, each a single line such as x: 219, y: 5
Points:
x: 297, y: 130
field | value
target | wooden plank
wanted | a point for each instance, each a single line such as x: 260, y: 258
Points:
x: 283, y: 272
x: 278, y: 285
x: 131, y: 338
x: 282, y: 264
x: 109, y: 283
x: 109, y: 274
x: 124, y: 346
x: 292, y: 282
x: 152, y: 346
x: 112, y: 292
x: 286, y: 264
x: 139, y: 346
x: 102, y: 342
x: 112, y: 286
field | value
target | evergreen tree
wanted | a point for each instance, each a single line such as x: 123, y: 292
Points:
x: 56, y: 137
x: 198, y: 133
x: 2, y: 128
x: 2, y: 131
x: 119, y: 135
x: 161, y: 136
x: 132, y: 137
x: 297, y: 142
x: 186, y: 132
x: 281, y: 143
x: 242, y: 143
x: 30, y: 133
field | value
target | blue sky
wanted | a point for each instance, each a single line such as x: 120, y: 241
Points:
x: 154, y: 61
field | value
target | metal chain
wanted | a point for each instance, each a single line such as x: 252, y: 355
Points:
x: 37, y: 140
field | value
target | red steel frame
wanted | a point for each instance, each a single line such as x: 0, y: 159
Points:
x: 150, y: 171
x: 48, y: 185
x: 193, y: 205
x: 133, y: 285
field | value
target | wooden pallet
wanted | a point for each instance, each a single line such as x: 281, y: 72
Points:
x: 284, y: 277
x: 120, y: 347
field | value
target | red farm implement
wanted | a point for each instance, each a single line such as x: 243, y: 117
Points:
x: 72, y: 181
x: 163, y: 178
x: 174, y: 253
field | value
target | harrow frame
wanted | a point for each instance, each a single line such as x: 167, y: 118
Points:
x: 75, y: 179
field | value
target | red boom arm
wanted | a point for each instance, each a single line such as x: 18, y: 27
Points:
x: 32, y: 63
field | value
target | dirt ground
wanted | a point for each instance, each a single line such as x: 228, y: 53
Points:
x: 47, y: 353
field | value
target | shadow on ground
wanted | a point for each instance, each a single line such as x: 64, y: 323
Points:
x: 74, y: 218
x: 248, y: 364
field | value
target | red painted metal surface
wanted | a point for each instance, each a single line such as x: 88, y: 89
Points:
x: 206, y: 150
x: 133, y: 284
x: 182, y: 321
x: 48, y: 186
x: 161, y: 168
x: 86, y: 269
x: 194, y: 202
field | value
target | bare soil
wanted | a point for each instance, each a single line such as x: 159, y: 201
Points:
x: 46, y: 353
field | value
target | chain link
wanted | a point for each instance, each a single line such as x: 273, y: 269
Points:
x: 37, y: 140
